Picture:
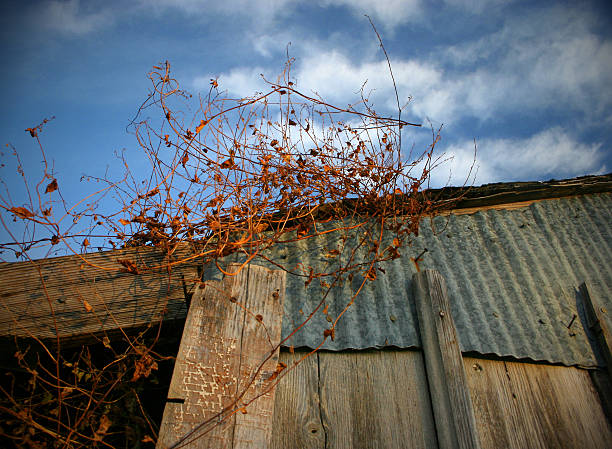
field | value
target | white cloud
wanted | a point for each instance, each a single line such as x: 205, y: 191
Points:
x: 261, y: 12
x: 551, y: 59
x: 388, y: 13
x: 550, y: 153
x: 476, y: 6
x: 70, y: 17
x: 243, y: 82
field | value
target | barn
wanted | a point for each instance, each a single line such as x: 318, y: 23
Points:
x: 491, y: 331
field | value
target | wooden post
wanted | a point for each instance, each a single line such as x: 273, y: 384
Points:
x: 597, y: 324
x: 450, y: 396
x: 232, y: 328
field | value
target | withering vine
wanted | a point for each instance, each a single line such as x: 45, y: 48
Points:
x: 233, y: 177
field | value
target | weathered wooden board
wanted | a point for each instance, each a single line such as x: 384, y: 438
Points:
x: 450, y: 397
x: 596, y: 321
x: 70, y: 295
x: 297, y: 412
x: 524, y: 405
x: 365, y: 399
x: 227, y: 358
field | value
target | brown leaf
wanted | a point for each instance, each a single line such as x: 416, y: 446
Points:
x: 147, y: 439
x: 87, y: 306
x: 54, y: 240
x: 106, y: 342
x: 202, y: 124
x: 228, y: 163
x: 292, y: 123
x: 184, y: 159
x: 214, y: 83
x: 274, y: 143
x: 85, y: 243
x: 143, y: 367
x: 21, y: 212
x: 52, y: 187
x: 130, y: 267
x: 330, y: 333
x: 105, y: 424
x: 259, y: 318
x: 261, y: 227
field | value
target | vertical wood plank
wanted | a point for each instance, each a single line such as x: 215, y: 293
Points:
x: 375, y: 399
x: 450, y: 396
x: 523, y: 405
x: 596, y: 321
x: 297, y: 415
x: 231, y: 329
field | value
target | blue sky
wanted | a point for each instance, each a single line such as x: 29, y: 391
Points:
x: 530, y: 81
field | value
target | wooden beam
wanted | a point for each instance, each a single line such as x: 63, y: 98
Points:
x: 227, y: 359
x: 596, y: 321
x: 73, y: 296
x: 450, y: 396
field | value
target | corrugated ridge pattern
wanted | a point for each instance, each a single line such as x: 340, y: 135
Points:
x: 512, y: 277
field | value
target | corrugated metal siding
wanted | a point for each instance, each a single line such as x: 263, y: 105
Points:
x: 512, y: 277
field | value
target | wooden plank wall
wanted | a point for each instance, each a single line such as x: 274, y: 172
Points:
x: 376, y: 399
x: 74, y: 296
x: 228, y: 358
x: 379, y: 399
x: 526, y: 405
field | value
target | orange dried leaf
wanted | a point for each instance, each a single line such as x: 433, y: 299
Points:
x: 106, y: 342
x: 202, y: 124
x: 123, y: 222
x: 130, y: 267
x: 147, y: 439
x: 52, y: 187
x: 87, y: 306
x: 330, y: 333
x: 86, y: 243
x: 228, y: 163
x: 21, y: 212
x: 105, y: 424
x: 259, y: 318
x: 261, y: 227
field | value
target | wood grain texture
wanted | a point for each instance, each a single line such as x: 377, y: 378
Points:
x: 297, y: 414
x: 450, y: 397
x: 597, y: 323
x: 523, y: 405
x: 365, y: 399
x: 232, y: 328
x: 75, y: 296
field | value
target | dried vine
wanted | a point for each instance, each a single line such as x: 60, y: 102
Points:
x: 234, y: 179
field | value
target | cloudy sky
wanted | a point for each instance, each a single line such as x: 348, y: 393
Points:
x: 529, y: 81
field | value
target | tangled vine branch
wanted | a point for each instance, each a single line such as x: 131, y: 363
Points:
x: 233, y: 177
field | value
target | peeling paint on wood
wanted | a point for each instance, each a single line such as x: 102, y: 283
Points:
x: 227, y: 358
